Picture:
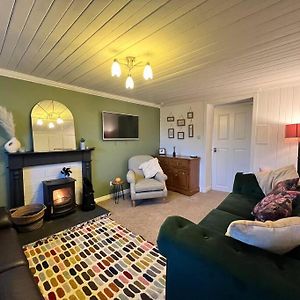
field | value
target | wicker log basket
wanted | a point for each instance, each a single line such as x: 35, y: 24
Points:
x: 29, y: 217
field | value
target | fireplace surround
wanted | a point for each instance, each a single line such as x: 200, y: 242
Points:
x: 20, y: 160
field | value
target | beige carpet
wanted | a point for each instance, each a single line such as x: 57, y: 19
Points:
x: 148, y: 215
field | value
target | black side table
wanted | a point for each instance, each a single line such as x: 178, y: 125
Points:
x: 118, y: 190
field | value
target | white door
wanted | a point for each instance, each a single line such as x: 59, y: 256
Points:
x: 231, y: 144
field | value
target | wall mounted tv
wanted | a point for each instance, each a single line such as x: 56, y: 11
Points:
x: 118, y: 126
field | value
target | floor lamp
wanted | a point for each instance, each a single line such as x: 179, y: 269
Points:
x: 293, y: 131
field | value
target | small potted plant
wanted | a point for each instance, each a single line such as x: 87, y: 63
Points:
x: 82, y: 144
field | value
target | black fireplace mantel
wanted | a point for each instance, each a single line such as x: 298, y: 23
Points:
x: 18, y: 161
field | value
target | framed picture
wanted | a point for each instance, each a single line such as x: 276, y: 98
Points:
x: 191, y: 130
x: 171, y: 133
x: 162, y: 151
x: 181, y: 122
x: 170, y: 119
x: 190, y: 115
x: 180, y: 135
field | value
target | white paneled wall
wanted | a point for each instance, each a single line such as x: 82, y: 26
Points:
x: 187, y: 146
x: 273, y: 109
x: 33, y: 177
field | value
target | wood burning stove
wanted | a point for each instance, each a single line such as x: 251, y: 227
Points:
x: 59, y: 196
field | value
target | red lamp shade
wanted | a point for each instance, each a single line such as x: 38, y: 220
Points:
x: 292, y: 131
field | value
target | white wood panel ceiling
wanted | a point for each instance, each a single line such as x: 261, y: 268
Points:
x: 199, y: 49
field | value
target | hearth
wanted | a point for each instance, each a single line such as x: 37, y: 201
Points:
x: 59, y: 196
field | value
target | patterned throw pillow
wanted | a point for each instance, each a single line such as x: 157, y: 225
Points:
x: 150, y: 168
x: 279, y: 203
x: 286, y: 185
x: 274, y: 207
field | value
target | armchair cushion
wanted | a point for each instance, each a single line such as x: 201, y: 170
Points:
x: 161, y: 177
x: 150, y: 168
x: 148, y: 185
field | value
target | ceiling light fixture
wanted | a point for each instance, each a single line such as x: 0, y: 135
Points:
x: 148, y: 74
x: 115, y: 69
x: 130, y: 64
x: 129, y: 84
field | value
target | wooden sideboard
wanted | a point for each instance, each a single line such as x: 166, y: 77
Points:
x: 182, y: 172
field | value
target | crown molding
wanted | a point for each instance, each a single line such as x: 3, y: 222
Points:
x: 26, y: 77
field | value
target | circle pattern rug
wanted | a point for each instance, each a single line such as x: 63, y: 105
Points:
x: 97, y: 259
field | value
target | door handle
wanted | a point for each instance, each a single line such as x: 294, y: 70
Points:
x: 215, y: 150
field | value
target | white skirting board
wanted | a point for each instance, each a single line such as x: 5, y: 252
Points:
x: 205, y: 189
x: 127, y: 191
x: 109, y: 196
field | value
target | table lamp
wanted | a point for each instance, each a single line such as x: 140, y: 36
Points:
x: 293, y: 131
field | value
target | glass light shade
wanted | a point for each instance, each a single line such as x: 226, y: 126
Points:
x: 148, y: 74
x: 129, y: 83
x: 59, y: 120
x: 39, y: 122
x: 115, y: 69
x: 51, y: 125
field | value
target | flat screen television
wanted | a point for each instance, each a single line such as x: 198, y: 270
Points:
x: 118, y: 126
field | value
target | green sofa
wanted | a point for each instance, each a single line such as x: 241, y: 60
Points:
x: 203, y: 263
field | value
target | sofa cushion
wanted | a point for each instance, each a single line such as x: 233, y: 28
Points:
x: 239, y: 205
x: 11, y: 252
x: 278, y: 237
x: 4, y: 218
x: 264, y: 179
x: 296, y: 208
x: 295, y: 253
x: 247, y: 184
x: 218, y: 220
x: 284, y: 173
x: 148, y: 185
x: 18, y: 283
x: 269, y: 179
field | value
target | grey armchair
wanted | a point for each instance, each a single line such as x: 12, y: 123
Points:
x: 141, y: 187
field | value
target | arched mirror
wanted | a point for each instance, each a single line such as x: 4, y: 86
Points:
x: 52, y: 127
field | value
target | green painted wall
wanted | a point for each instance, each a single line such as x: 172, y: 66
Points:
x: 109, y: 158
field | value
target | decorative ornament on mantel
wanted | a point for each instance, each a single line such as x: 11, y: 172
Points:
x: 66, y: 172
x: 8, y: 125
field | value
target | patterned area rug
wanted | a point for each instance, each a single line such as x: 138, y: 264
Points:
x: 98, y: 259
